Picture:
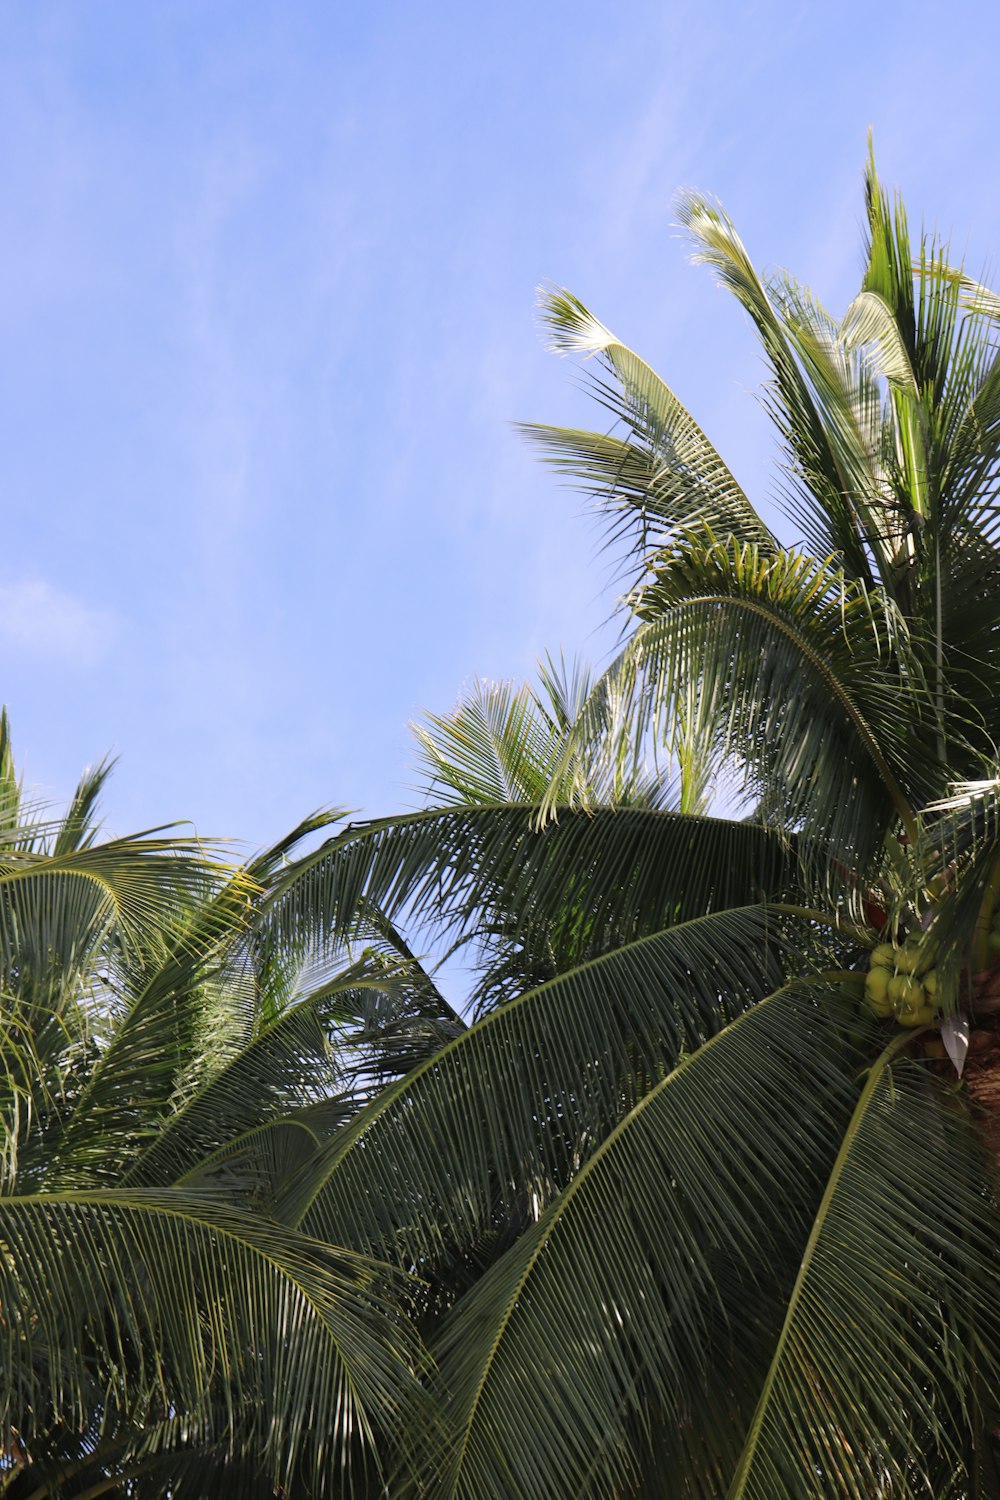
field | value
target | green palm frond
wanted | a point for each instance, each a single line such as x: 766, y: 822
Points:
x: 295, y: 1062
x: 797, y: 671
x: 494, y: 747
x: 525, y: 1095
x: 255, y: 1167
x: 56, y: 911
x: 158, y: 1037
x: 10, y: 782
x: 627, y: 870
x: 825, y: 488
x: 506, y: 744
x: 150, y: 1303
x: 632, y: 1278
x: 902, y: 1258
x: 665, y: 473
x: 78, y: 829
x: 843, y: 365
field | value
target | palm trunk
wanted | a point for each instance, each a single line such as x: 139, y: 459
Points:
x: 981, y: 1079
x: 982, y: 1083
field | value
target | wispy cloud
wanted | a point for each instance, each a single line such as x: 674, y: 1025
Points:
x: 39, y: 620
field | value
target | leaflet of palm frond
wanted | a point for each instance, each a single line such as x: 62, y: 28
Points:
x: 504, y: 743
x: 957, y: 374
x: 901, y: 1255
x: 253, y: 1168
x: 494, y: 747
x: 959, y: 849
x: 842, y: 375
x: 826, y: 491
x: 665, y: 473
x: 57, y: 912
x: 151, y: 1051
x: 79, y: 828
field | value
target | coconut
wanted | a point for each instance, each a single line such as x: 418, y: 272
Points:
x: 907, y: 959
x: 883, y: 957
x: 914, y: 1015
x: 876, y: 992
x: 877, y: 984
x: 903, y: 989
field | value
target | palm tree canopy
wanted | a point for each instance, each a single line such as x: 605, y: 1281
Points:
x: 688, y: 1201
x: 166, y: 1062
x: 699, y: 1212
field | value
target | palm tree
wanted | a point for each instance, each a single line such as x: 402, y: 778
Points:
x: 173, y: 1045
x: 699, y: 1211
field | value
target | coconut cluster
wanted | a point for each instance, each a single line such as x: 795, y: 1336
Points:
x: 901, y: 982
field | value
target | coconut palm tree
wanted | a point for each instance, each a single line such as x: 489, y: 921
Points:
x: 174, y: 1044
x: 709, y: 1208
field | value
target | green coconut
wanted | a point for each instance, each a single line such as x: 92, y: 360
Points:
x: 877, y: 984
x: 914, y: 1015
x: 904, y: 989
x: 876, y: 992
x: 907, y: 959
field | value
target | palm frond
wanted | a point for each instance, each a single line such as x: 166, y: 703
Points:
x: 143, y: 1304
x: 56, y: 911
x: 797, y: 672
x: 902, y: 1257
x: 665, y: 473
x: 306, y: 1054
x: 630, y: 1280
x: 620, y: 871
x: 527, y: 1093
x: 78, y: 829
x: 825, y: 486
x: 505, y: 744
x: 159, y: 1035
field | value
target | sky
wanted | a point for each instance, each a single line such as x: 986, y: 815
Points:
x: 267, y: 287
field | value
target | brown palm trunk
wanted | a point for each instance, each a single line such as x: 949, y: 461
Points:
x: 981, y: 1075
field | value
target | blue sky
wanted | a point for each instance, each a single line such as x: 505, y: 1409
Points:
x: 267, y: 277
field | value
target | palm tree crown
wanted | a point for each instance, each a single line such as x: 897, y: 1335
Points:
x: 702, y: 1207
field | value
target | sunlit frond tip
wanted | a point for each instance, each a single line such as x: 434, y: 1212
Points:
x: 571, y: 327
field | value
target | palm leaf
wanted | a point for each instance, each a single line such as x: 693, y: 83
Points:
x: 159, y: 1302
x: 56, y: 910
x: 665, y: 474
x: 632, y: 869
x: 528, y: 1092
x: 292, y: 1064
x: 902, y: 1258
x: 797, y: 673
x: 825, y: 491
x: 622, y: 1291
x: 158, y: 1036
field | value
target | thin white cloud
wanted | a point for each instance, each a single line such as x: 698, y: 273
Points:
x: 39, y: 620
